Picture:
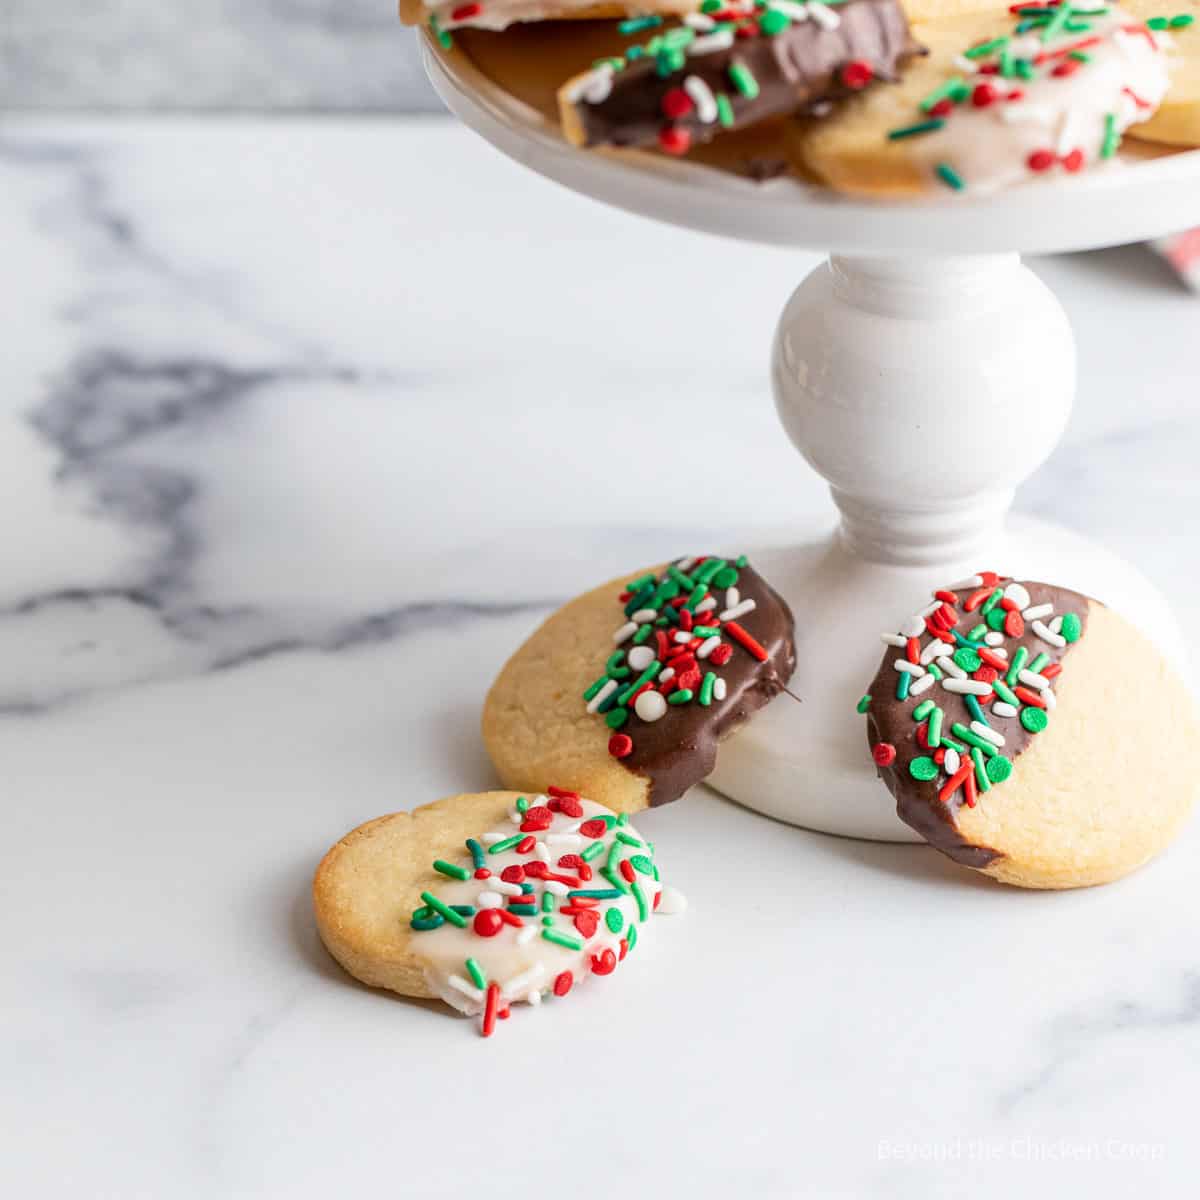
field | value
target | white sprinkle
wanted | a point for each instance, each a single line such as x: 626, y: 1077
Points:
x: 706, y: 605
x: 558, y: 889
x: 1055, y: 626
x: 489, y: 899
x: 602, y: 695
x: 685, y: 564
x: 922, y: 685
x: 1040, y: 682
x: 490, y: 839
x: 719, y: 689
x: 504, y: 887
x: 953, y: 762
x: 1049, y: 699
x: 732, y: 596
x: 965, y: 65
x: 1019, y: 114
x: 710, y: 43
x: 1001, y: 652
x: 732, y: 614
x: 1051, y: 639
x: 1037, y: 612
x: 825, y: 17
x: 1017, y: 594
x: 521, y: 983
x: 1066, y: 135
x: 666, y: 675
x: 644, y: 615
x: 894, y: 639
x: 594, y: 87
x: 682, y: 637
x: 928, y: 612
x: 702, y: 98
x: 935, y: 649
x: 564, y: 839
x: 673, y: 902
x: 708, y: 646
x: 902, y: 664
x: 914, y: 628
x: 526, y: 935
x: 468, y: 989
x: 993, y: 638
x: 625, y: 632
x: 515, y: 817
x: 951, y: 668
x: 534, y: 998
x: 699, y: 21
x: 650, y: 706
x: 967, y: 687
x: 1003, y: 709
x: 640, y: 657
x: 540, y: 851
x: 987, y: 733
x: 798, y: 12
x: 970, y: 584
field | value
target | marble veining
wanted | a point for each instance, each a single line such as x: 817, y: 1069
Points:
x: 303, y: 426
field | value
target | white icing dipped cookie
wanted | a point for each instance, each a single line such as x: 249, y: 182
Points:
x: 1001, y: 99
x: 490, y: 899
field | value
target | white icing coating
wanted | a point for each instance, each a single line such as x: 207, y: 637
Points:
x: 500, y: 14
x: 519, y: 959
x: 990, y: 146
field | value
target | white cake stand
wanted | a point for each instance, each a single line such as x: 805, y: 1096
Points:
x: 924, y: 372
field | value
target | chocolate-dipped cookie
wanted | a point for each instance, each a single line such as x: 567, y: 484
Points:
x: 1029, y: 732
x: 627, y: 691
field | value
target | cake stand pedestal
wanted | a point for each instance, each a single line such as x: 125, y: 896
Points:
x: 925, y: 373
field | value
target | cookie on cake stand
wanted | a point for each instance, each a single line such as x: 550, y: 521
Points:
x: 885, y: 356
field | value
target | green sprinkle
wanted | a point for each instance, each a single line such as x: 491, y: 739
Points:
x: 724, y: 111
x: 1006, y: 693
x: 591, y: 851
x: 1038, y: 663
x: 523, y: 910
x: 953, y: 89
x: 562, y: 939
x: 741, y: 561
x: 614, y: 918
x: 630, y: 840
x: 631, y: 938
x: 595, y: 893
x: 974, y: 709
x: 726, y: 577
x: 706, y: 688
x: 972, y: 738
x: 637, y: 24
x: 615, y: 61
x: 634, y: 53
x: 907, y: 131
x: 950, y: 177
x: 935, y: 671
x: 1072, y: 627
x: 1034, y: 719
x: 668, y: 61
x: 444, y: 910
x: 863, y: 704
x: 698, y: 594
x: 547, y: 902
x: 682, y: 696
x: 743, y: 79
x: 923, y: 768
x: 1157, y: 23
x: 1019, y: 659
x: 642, y: 863
x: 999, y: 768
x: 705, y: 631
x: 991, y: 602
x: 1080, y: 56
x: 1054, y: 27
x: 463, y: 910
x: 423, y: 924
x: 642, y: 581
x: 505, y: 844
x: 711, y: 6
x: 443, y: 37
x: 705, y: 573
x: 685, y: 582
x: 645, y: 677
x: 968, y: 659
x: 773, y: 22
x: 1182, y: 21
x: 1112, y: 136
x: 981, y: 775
x: 615, y: 667
x: 548, y: 922
x: 616, y: 717
x: 594, y: 689
x: 643, y: 634
x: 642, y: 903
x: 638, y: 601
x: 614, y: 876
x: 923, y: 710
x: 478, y: 978
x: 1024, y: 68
x: 450, y: 869
x: 951, y: 744
x: 986, y: 48
x: 902, y: 685
x: 935, y: 727
x: 609, y: 822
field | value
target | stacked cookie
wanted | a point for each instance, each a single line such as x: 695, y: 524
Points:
x: 876, y: 97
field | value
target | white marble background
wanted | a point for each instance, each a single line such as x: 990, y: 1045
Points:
x: 303, y: 425
x: 209, y: 54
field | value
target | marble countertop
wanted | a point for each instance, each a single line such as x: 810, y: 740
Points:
x: 303, y: 426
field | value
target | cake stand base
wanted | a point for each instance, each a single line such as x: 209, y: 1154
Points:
x: 807, y: 763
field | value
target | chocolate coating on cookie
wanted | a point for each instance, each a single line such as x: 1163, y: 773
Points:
x: 680, y: 748
x: 898, y: 739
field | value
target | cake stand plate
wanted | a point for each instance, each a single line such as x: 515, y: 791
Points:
x: 891, y: 381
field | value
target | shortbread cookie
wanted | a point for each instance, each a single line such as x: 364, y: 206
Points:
x: 490, y: 899
x: 1029, y: 732
x: 1177, y: 121
x: 732, y: 69
x: 500, y: 14
x: 1001, y: 99
x: 626, y: 692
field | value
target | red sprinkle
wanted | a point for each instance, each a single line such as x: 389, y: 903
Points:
x: 951, y: 786
x: 884, y: 754
x: 507, y: 917
x: 992, y: 658
x: 922, y: 736
x: 587, y: 921
x: 939, y: 755
x: 624, y: 945
x: 857, y: 73
x: 1073, y: 161
x: 571, y: 861
x: 1053, y: 670
x: 657, y: 899
x: 620, y: 745
x: 948, y: 597
x: 975, y: 599
x: 913, y: 650
x: 721, y: 655
x: 1015, y: 94
x: 562, y: 983
x: 1068, y: 66
x: 1014, y: 624
x: 674, y: 140
x: 513, y: 874
x: 627, y: 871
x: 490, y: 1009
x: 686, y: 622
x: 660, y: 640
x: 488, y: 921
x: 744, y: 640
x: 1029, y: 696
x: 986, y: 675
x: 604, y: 964
x: 1040, y: 160
x: 943, y: 108
x: 526, y: 844
x: 464, y: 12
x: 594, y: 828
x: 483, y: 873
x: 983, y: 95
x: 676, y: 103
x: 536, y: 819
